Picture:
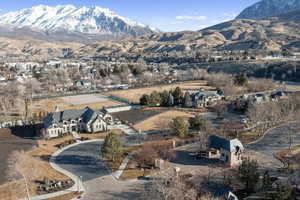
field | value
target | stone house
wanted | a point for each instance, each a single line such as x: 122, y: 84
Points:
x: 228, y: 151
x: 205, y: 98
x: 85, y: 120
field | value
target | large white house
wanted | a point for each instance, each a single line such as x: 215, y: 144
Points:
x: 86, y: 120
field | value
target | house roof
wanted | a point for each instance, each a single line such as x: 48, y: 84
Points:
x: 57, y: 117
x: 205, y: 94
x: 229, y: 145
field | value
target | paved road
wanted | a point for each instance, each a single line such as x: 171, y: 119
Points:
x: 83, y: 160
x: 275, y: 140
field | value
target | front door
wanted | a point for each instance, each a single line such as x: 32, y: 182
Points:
x: 74, y: 129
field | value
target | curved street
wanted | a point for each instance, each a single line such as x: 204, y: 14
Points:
x: 83, y: 161
x: 275, y: 140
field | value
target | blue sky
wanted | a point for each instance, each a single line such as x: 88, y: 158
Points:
x: 167, y: 15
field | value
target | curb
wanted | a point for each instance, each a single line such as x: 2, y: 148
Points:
x: 78, y: 184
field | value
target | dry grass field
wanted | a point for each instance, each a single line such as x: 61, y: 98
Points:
x: 160, y: 121
x: 43, y: 152
x: 134, y: 95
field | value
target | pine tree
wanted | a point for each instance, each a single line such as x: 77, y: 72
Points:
x: 248, y: 174
x: 155, y: 99
x: 170, y: 100
x: 178, y: 95
x: 187, y: 100
x: 180, y: 127
x: 112, y: 147
x: 145, y: 100
x: 164, y: 98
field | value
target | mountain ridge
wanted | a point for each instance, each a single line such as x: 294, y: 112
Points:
x: 94, y: 23
x: 268, y: 8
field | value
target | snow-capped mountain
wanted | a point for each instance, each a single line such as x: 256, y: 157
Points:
x: 68, y: 19
x: 268, y: 8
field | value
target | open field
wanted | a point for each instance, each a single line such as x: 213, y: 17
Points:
x: 135, y: 116
x: 94, y: 101
x: 134, y: 95
x: 85, y: 99
x: 160, y: 121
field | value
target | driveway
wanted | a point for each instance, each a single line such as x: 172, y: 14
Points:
x: 83, y: 161
x: 275, y: 140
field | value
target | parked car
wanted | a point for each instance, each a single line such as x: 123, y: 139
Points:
x: 245, y: 120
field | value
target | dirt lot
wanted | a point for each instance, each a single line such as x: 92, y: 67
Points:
x: 134, y: 95
x: 73, y: 102
x: 160, y: 121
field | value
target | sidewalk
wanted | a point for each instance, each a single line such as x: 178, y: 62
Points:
x: 117, y: 174
x: 78, y: 184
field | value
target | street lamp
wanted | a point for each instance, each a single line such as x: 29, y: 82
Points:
x: 81, y: 184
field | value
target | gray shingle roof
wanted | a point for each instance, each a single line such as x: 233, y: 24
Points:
x: 230, y: 145
x: 58, y: 117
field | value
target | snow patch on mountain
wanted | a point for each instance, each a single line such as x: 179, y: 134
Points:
x: 93, y: 20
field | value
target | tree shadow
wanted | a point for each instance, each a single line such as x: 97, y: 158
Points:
x: 184, y: 158
x: 27, y: 132
x: 88, y: 167
x: 132, y: 193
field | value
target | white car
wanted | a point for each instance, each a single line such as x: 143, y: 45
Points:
x: 244, y: 121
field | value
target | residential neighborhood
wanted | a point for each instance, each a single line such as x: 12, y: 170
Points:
x: 150, y: 100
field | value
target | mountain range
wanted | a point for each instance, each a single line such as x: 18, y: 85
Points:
x: 268, y: 8
x: 69, y: 23
x: 82, y: 30
x: 272, y: 34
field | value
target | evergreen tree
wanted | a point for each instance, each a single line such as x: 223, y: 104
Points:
x: 180, y: 127
x: 267, y: 182
x: 112, y: 147
x: 164, y: 98
x: 170, y: 102
x: 248, y: 174
x: 199, y: 123
x: 145, y: 100
x: 178, y: 95
x: 155, y: 99
x: 188, y: 100
x: 241, y: 79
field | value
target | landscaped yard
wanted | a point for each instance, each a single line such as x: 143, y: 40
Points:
x: 134, y: 95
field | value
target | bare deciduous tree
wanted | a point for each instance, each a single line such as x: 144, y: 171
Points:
x: 22, y: 165
x: 169, y: 187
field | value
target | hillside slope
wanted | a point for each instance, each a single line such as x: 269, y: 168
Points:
x: 268, y: 8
